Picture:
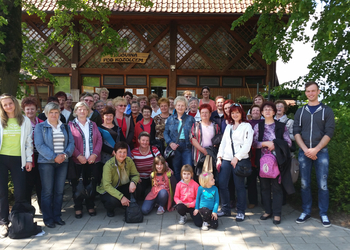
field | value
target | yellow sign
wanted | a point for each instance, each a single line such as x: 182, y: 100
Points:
x: 126, y: 58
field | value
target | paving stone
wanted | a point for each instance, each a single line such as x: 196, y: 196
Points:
x: 84, y: 247
x: 338, y: 240
x: 255, y: 246
x: 295, y: 239
x: 282, y: 246
x: 342, y: 246
x: 273, y: 239
x: 316, y: 239
x: 305, y: 247
x: 238, y: 246
x: 104, y: 240
x: 105, y: 246
x: 327, y: 246
x: 127, y: 246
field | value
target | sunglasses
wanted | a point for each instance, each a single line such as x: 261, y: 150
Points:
x: 86, y: 100
x: 121, y: 105
x: 235, y: 104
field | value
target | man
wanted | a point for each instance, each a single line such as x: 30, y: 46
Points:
x: 153, y: 100
x: 128, y: 97
x: 68, y: 106
x: 218, y: 115
x: 62, y: 98
x: 313, y: 129
x: 93, y: 115
x: 171, y: 105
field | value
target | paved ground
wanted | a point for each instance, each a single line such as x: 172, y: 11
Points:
x: 163, y: 232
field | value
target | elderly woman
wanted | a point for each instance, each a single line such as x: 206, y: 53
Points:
x: 153, y: 102
x: 201, y: 134
x: 103, y: 92
x: 16, y: 150
x: 193, y: 108
x: 142, y: 100
x: 265, y: 134
x: 234, y: 148
x: 160, y: 121
x: 282, y: 107
x: 99, y: 105
x: 206, y: 98
x: 177, y: 135
x: 86, y: 155
x: 125, y: 122
x: 119, y: 179
x: 143, y: 157
x: 93, y: 114
x: 257, y: 100
x: 55, y: 144
x: 146, y: 124
x: 135, y: 112
x: 30, y: 106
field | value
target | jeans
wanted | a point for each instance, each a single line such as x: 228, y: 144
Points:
x: 252, y: 186
x: 224, y: 177
x: 53, y: 177
x: 321, y: 167
x: 12, y: 163
x: 275, y: 205
x: 161, y: 200
x: 206, y: 216
x: 142, y: 189
x: 182, y: 210
x: 183, y: 156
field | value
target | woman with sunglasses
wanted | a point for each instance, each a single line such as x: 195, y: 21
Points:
x: 124, y: 121
x: 234, y: 148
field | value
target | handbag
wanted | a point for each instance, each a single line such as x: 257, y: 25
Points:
x: 243, y: 167
x: 294, y: 169
x: 269, y: 167
x: 169, y: 153
x: 133, y: 213
x: 80, y: 191
x: 208, y: 164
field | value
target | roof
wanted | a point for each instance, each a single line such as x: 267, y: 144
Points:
x: 166, y: 6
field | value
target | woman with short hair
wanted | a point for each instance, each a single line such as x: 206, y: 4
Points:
x: 206, y: 98
x: 146, y: 124
x: 160, y: 121
x: 193, y: 108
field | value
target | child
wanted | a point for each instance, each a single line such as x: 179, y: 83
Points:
x: 162, y: 191
x: 207, y: 201
x: 185, y: 196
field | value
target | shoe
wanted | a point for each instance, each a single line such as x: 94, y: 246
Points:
x: 183, y: 220
x: 276, y: 222
x: 50, y: 225
x: 251, y: 206
x: 61, y: 223
x: 160, y: 210
x: 240, y: 217
x: 262, y: 217
x: 4, y: 231
x: 79, y: 216
x: 222, y: 213
x: 325, y: 221
x: 205, y: 226
x: 302, y: 218
x: 110, y: 213
x: 93, y: 213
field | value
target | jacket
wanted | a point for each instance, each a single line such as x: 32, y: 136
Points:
x: 289, y: 124
x: 26, y: 141
x: 44, y: 142
x: 171, y: 128
x: 110, y: 177
x: 242, y: 139
x: 197, y: 117
x: 95, y: 117
x: 186, y: 193
x: 220, y: 120
x: 79, y: 143
x: 130, y: 126
x: 312, y: 127
x: 140, y: 127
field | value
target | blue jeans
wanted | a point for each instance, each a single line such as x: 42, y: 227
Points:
x: 224, y: 176
x: 321, y: 167
x: 161, y: 200
x: 183, y: 156
x: 53, y: 177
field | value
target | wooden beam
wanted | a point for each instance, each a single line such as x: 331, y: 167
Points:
x: 237, y: 57
x: 172, y: 74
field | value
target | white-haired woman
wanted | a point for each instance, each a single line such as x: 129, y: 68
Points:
x: 16, y: 149
x: 177, y: 135
x: 55, y: 144
x: 86, y: 155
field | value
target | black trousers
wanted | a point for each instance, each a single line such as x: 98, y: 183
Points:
x: 273, y: 206
x: 142, y: 189
x: 110, y: 202
x: 12, y: 164
x: 182, y: 210
x: 206, y: 216
x: 252, y: 186
x: 33, y: 180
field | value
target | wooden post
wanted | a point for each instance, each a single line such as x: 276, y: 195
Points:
x: 172, y: 73
x: 75, y: 59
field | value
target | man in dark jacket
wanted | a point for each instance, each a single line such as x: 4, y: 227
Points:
x: 218, y: 115
x: 313, y: 129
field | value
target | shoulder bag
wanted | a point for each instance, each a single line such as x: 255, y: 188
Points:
x: 169, y: 153
x: 243, y: 167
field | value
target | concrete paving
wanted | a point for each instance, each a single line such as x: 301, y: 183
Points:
x: 163, y: 232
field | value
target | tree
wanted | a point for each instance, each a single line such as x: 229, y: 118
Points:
x: 17, y: 51
x: 281, y: 22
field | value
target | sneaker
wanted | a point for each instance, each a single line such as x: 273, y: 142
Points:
x: 183, y: 220
x: 325, y: 221
x: 240, y: 217
x: 222, y: 213
x: 4, y: 231
x: 302, y: 218
x: 205, y: 226
x: 160, y: 210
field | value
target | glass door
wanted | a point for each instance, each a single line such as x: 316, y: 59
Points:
x: 159, y: 85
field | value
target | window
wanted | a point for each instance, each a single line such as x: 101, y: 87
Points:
x: 136, y: 80
x: 209, y: 81
x: 63, y: 84
x: 252, y: 81
x: 113, y: 80
x: 91, y: 81
x: 228, y: 81
x: 187, y: 81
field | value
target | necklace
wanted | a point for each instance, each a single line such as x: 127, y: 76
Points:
x: 145, y: 152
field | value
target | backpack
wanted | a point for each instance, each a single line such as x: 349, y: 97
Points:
x: 133, y: 213
x: 22, y: 221
x: 269, y: 167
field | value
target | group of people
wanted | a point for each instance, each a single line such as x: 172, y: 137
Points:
x: 116, y: 148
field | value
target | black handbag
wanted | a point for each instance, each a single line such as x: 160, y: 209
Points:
x: 243, y: 167
x: 133, y: 213
x: 80, y: 191
x: 169, y: 153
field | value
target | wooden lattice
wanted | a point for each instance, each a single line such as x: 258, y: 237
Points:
x: 247, y: 32
x: 152, y: 62
x: 163, y: 47
x: 57, y: 60
x: 150, y: 31
x: 34, y: 36
x: 182, y: 48
x: 195, y: 61
x: 196, y: 32
x: 247, y: 62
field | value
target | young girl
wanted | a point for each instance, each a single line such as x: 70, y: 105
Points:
x: 207, y: 201
x: 162, y: 192
x: 185, y: 196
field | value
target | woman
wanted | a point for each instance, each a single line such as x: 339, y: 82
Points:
x: 153, y: 102
x: 176, y: 135
x: 270, y: 130
x: 201, y: 134
x: 86, y: 155
x: 143, y: 157
x: 99, y: 105
x: 234, y: 148
x: 55, y: 144
x: 227, y: 115
x: 104, y: 92
x: 124, y: 121
x: 206, y: 94
x: 257, y: 100
x: 111, y: 134
x: 29, y: 106
x: 146, y: 124
x: 193, y: 111
x: 160, y: 121
x: 16, y: 150
x: 135, y: 112
x: 119, y: 179
x: 282, y: 107
x: 68, y: 105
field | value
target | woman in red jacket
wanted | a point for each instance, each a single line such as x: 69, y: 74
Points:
x: 146, y: 124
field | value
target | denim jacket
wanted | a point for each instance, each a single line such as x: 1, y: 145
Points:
x: 43, y: 140
x: 171, y: 126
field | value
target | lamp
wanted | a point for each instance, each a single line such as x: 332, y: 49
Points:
x: 172, y: 67
x: 73, y: 65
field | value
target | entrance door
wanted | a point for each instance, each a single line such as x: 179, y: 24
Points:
x: 159, y: 85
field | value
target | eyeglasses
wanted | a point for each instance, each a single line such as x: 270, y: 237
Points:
x: 235, y: 104
x: 122, y: 105
x: 269, y: 110
x: 87, y: 100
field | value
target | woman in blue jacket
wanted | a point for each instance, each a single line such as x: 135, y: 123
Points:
x: 55, y: 144
x: 180, y: 143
